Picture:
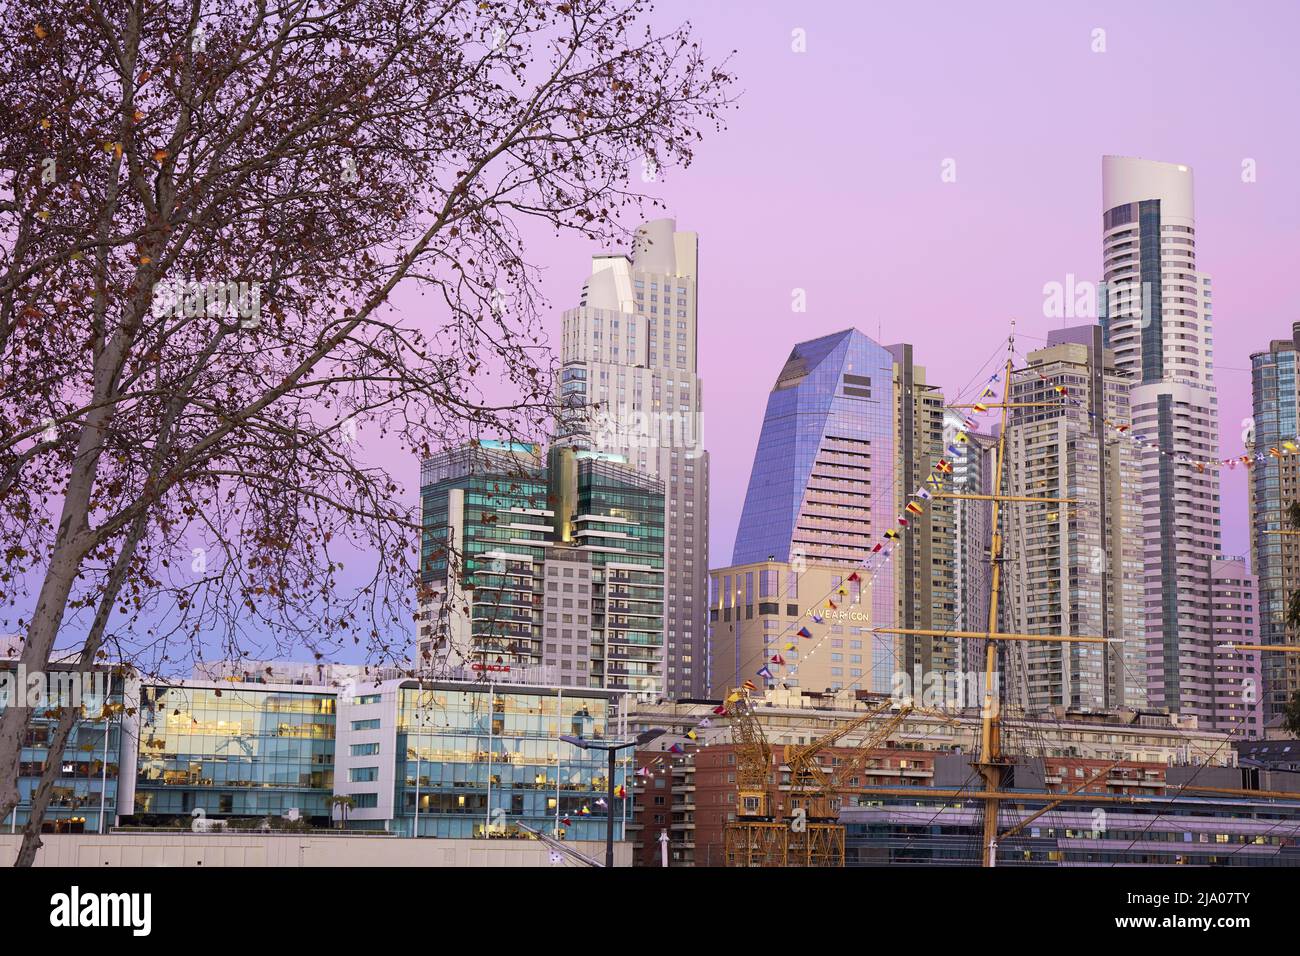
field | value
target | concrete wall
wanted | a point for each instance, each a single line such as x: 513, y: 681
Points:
x: 192, y: 849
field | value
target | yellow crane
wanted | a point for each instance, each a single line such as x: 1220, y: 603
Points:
x: 810, y: 785
x: 849, y: 770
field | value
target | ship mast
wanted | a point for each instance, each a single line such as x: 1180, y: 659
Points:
x: 993, y: 766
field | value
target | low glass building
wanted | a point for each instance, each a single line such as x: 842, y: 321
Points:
x: 234, y: 750
x: 84, y: 798
x: 479, y: 760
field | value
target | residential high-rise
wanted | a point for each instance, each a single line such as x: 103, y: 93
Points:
x: 1073, y: 568
x: 1156, y: 315
x: 1274, y: 485
x: 1237, y: 673
x: 925, y: 559
x: 972, y: 474
x: 553, y: 572
x: 630, y: 387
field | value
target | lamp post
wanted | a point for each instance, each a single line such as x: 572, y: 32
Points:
x: 611, y: 748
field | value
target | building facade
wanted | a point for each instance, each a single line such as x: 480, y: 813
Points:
x: 226, y: 750
x: 972, y: 474
x: 1157, y: 318
x: 757, y: 611
x: 1073, y: 568
x: 906, y: 802
x: 1238, y: 673
x: 630, y: 387
x: 925, y: 558
x: 461, y: 760
x: 1274, y: 487
x: 92, y: 780
x: 543, y: 567
x: 822, y: 488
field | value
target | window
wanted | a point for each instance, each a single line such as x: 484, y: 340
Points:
x: 365, y: 801
x: 363, y: 774
x: 365, y: 750
x: 371, y: 724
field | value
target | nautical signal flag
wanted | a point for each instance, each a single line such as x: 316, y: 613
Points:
x: 778, y: 660
x: 567, y: 822
x: 943, y: 466
x: 831, y: 604
x: 934, y: 481
x: 854, y: 576
x: 765, y: 672
x: 720, y: 710
x: 804, y: 632
x: 643, y: 772
x: 791, y: 646
x: 913, y: 508
x: 675, y: 749
x: 980, y: 406
x: 585, y: 811
x: 691, y: 734
x: 877, y: 547
x: 620, y: 791
x: 817, y: 618
x: 600, y: 802
x: 750, y: 685
x: 892, y: 535
x: 902, y: 521
x: 923, y: 493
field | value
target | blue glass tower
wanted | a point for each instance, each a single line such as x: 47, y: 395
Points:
x: 821, y: 486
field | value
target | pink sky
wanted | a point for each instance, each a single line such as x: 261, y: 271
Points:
x: 828, y: 179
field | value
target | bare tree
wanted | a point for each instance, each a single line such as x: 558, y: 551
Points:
x: 204, y: 211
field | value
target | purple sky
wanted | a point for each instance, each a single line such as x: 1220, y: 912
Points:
x: 828, y: 179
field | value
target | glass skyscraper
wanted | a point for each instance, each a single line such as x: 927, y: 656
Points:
x: 557, y: 565
x: 821, y: 491
x: 1274, y: 485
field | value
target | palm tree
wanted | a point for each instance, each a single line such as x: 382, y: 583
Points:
x: 344, y: 804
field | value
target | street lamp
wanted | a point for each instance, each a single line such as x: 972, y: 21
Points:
x: 612, y: 747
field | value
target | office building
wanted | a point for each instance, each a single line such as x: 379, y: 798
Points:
x: 822, y: 487
x: 1157, y: 318
x: 234, y: 750
x: 545, y: 570
x: 630, y: 387
x: 478, y: 759
x: 757, y: 611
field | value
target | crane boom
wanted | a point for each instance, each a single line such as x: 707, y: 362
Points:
x: 753, y: 758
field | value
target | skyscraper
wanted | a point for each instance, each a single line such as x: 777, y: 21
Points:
x: 1156, y: 317
x: 925, y: 558
x: 1073, y: 568
x: 630, y: 386
x: 1237, y: 673
x: 850, y: 433
x: 1274, y: 486
x: 972, y: 474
